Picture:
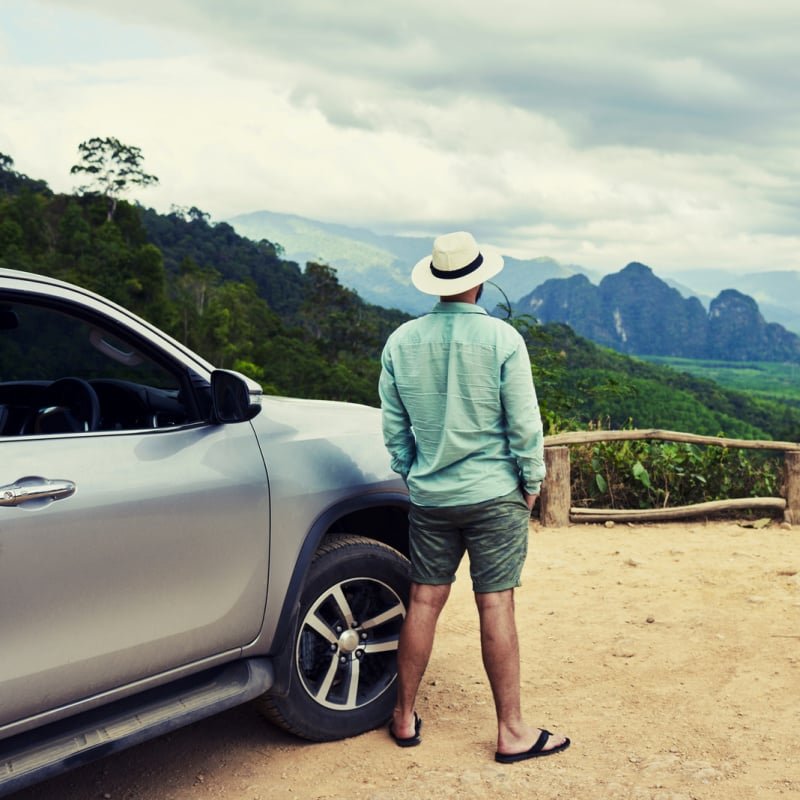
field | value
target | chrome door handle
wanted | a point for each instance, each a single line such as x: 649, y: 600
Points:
x: 32, y: 487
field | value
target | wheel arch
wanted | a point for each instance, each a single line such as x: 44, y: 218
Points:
x: 387, y: 523
x: 380, y: 516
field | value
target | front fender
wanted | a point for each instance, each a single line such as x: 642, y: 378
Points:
x: 332, y: 520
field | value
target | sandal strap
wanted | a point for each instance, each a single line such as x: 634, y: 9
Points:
x: 541, y: 741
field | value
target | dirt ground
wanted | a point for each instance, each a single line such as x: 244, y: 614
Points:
x: 670, y: 654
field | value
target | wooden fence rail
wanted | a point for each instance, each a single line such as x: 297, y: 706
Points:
x: 556, y: 509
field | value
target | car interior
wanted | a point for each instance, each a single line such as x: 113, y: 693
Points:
x: 62, y: 373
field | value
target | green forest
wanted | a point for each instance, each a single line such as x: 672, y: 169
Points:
x: 299, y: 332
x: 769, y: 379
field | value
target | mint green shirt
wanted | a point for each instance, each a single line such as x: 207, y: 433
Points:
x: 460, y: 416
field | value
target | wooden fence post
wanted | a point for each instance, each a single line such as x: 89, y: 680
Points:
x: 556, y: 493
x: 792, y: 487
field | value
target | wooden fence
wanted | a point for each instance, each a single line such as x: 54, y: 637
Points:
x: 556, y: 505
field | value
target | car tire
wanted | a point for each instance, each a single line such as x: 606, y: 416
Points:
x: 344, y: 649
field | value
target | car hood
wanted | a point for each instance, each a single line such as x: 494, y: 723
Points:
x: 301, y: 418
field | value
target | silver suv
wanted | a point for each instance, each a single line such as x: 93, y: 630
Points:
x: 173, y: 543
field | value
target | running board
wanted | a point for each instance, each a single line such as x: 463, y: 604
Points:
x: 36, y: 755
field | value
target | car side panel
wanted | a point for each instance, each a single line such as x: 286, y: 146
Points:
x: 159, y: 559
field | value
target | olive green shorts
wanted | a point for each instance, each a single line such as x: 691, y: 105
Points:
x: 494, y: 533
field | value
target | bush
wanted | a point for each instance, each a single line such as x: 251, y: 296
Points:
x: 646, y: 474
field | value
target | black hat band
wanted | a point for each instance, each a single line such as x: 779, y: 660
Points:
x: 457, y: 273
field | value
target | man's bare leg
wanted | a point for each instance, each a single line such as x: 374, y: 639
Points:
x: 416, y: 642
x: 500, y: 650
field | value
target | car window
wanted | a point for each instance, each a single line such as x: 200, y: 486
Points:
x: 62, y: 373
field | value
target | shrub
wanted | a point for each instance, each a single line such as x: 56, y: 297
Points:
x: 647, y: 474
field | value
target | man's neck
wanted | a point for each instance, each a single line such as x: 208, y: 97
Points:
x: 469, y: 296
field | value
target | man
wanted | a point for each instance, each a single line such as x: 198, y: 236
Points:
x: 461, y: 422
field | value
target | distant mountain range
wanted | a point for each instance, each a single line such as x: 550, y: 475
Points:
x: 695, y: 309
x: 777, y: 292
x: 378, y: 266
x: 634, y: 312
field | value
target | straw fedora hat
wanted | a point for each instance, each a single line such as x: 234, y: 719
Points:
x: 456, y: 264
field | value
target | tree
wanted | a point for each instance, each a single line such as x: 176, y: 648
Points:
x: 13, y: 182
x: 193, y: 214
x: 335, y: 317
x: 8, y: 175
x: 112, y: 167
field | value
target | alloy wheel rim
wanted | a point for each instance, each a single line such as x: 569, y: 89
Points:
x: 347, y: 647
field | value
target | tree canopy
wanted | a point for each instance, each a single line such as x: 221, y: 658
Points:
x: 112, y: 169
x: 12, y: 182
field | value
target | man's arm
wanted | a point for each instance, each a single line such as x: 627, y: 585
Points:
x: 524, y: 421
x: 397, y: 434
x: 530, y: 499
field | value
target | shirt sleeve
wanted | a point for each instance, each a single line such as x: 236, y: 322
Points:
x: 523, y: 418
x: 397, y: 433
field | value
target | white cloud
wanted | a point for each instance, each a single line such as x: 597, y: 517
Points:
x: 652, y: 131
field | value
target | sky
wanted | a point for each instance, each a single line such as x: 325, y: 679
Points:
x: 595, y: 133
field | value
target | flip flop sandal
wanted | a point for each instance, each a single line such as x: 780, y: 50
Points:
x: 536, y: 750
x: 408, y: 741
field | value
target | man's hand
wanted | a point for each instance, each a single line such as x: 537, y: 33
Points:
x: 530, y: 499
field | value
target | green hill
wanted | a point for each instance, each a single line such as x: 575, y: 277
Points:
x: 583, y: 383
x: 242, y: 305
x: 377, y: 266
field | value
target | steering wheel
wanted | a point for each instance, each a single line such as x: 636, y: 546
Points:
x: 71, y: 406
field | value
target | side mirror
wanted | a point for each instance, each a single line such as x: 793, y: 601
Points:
x: 231, y: 398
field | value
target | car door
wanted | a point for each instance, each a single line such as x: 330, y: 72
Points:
x: 127, y: 551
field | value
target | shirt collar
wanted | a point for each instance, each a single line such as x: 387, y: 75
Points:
x: 458, y: 308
